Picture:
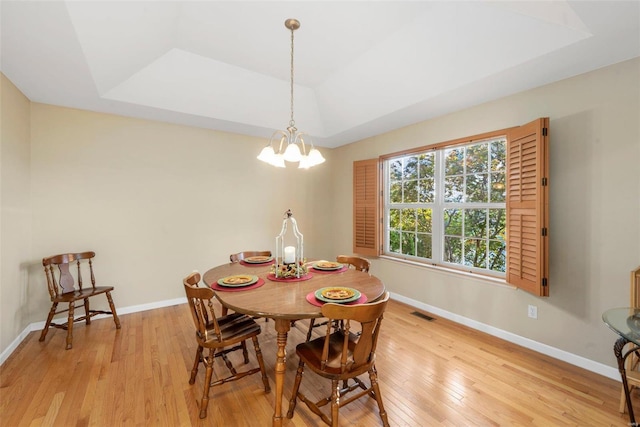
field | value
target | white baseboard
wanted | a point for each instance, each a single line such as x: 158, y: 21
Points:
x: 565, y: 356
x: 582, y: 362
x: 14, y: 344
x: 37, y: 326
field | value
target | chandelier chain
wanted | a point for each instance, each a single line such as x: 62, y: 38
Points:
x: 292, y: 123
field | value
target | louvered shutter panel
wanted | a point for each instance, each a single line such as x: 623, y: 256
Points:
x: 527, y: 207
x: 366, y: 211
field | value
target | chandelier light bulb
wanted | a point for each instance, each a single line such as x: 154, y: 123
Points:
x: 267, y: 154
x: 292, y: 153
x: 278, y: 161
x: 304, y: 163
x: 315, y: 157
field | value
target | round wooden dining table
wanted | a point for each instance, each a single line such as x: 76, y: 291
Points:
x: 284, y: 301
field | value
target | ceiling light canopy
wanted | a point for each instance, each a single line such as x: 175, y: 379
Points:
x: 292, y: 146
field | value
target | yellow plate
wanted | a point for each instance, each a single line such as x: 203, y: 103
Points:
x: 238, y: 280
x: 259, y: 259
x: 327, y: 265
x: 337, y: 295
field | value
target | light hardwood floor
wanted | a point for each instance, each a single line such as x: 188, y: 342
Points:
x: 432, y: 373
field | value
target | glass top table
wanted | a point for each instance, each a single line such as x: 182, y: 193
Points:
x: 625, y: 321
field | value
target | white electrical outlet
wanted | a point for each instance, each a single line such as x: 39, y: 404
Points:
x: 532, y: 311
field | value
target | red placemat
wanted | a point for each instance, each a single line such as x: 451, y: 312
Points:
x: 311, y: 298
x: 273, y: 277
x: 257, y: 264
x: 217, y: 287
x: 340, y: 270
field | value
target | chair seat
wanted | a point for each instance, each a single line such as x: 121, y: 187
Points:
x: 82, y: 294
x: 234, y: 328
x: 311, y: 353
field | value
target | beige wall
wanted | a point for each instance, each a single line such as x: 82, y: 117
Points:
x: 15, y: 211
x: 594, y: 210
x: 156, y: 201
x: 153, y: 200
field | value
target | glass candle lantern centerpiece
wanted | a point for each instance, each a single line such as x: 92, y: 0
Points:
x: 289, y: 258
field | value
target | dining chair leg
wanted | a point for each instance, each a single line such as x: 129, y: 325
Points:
x: 335, y: 402
x: 263, y: 371
x: 113, y: 310
x: 196, y: 363
x: 310, y: 331
x: 208, y: 360
x: 245, y: 353
x: 373, y: 377
x: 70, y: 326
x: 296, y: 387
x: 227, y: 362
x: 52, y: 313
x: 87, y: 315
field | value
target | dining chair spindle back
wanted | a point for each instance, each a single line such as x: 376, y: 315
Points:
x: 341, y: 355
x: 68, y: 288
x: 359, y: 263
x: 220, y: 336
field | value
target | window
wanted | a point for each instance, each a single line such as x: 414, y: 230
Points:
x: 476, y: 204
x: 447, y: 206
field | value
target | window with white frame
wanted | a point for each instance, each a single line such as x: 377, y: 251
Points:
x: 447, y: 206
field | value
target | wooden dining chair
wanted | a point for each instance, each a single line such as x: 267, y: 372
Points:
x: 67, y: 289
x: 355, y: 262
x: 632, y: 363
x: 240, y: 256
x: 220, y: 336
x: 343, y: 355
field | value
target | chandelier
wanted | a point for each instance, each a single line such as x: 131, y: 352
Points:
x: 290, y: 143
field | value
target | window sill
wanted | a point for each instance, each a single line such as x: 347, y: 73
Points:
x: 451, y: 271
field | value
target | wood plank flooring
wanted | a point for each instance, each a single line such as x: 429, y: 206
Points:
x: 432, y: 373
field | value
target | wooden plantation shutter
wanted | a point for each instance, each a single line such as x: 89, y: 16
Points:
x: 527, y: 207
x: 366, y: 211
